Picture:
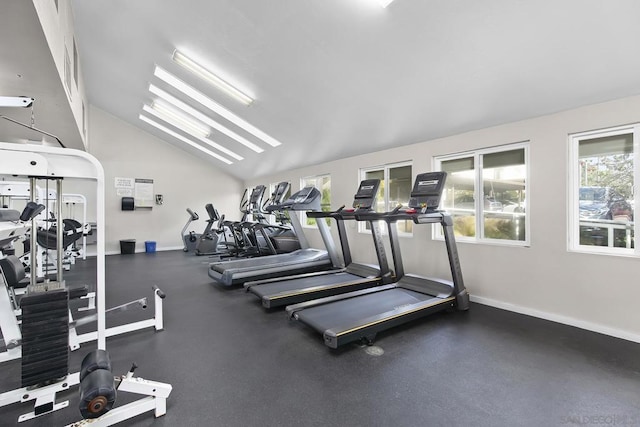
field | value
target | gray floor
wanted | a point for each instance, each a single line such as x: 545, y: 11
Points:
x: 231, y: 363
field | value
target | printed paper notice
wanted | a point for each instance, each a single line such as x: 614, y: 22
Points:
x: 143, y: 193
x: 124, y: 183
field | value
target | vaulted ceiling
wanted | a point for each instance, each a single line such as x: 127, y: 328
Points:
x: 27, y: 69
x: 334, y: 78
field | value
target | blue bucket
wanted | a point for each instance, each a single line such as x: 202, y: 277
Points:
x: 150, y: 246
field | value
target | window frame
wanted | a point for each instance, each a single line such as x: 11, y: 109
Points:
x: 478, y: 156
x: 385, y: 168
x: 573, y: 189
x: 318, y: 177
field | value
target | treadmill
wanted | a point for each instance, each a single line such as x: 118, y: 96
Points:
x: 360, y: 315
x: 293, y: 289
x: 304, y: 260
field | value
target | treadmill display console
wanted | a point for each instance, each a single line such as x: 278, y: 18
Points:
x: 366, y: 194
x: 307, y: 196
x: 301, y: 198
x: 427, y: 190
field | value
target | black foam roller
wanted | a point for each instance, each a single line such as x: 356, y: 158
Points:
x: 94, y: 360
x: 97, y: 394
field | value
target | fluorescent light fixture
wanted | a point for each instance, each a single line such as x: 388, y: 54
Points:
x: 384, y: 3
x: 202, y: 117
x: 213, y: 106
x: 183, y: 139
x: 191, y: 65
x: 218, y: 147
x: 194, y: 127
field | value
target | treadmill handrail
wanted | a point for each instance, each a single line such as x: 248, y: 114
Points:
x: 337, y: 214
x: 403, y: 214
x: 441, y: 217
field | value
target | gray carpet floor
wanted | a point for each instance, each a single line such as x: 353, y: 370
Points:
x: 232, y: 363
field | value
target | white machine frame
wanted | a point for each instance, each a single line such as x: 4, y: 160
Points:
x: 156, y: 394
x: 11, y: 331
x: 156, y: 322
x: 21, y: 190
x: 53, y: 162
x: 16, y: 101
x: 79, y: 199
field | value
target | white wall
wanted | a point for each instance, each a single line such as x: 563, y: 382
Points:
x: 590, y: 291
x: 183, y: 179
x: 57, y: 25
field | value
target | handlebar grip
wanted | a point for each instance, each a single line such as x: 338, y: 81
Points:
x: 159, y: 292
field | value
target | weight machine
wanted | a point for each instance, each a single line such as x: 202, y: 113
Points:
x: 46, y: 373
x: 14, y: 194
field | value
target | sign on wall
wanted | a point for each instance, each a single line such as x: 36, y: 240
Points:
x: 139, y: 188
x: 124, y: 186
x: 143, y: 193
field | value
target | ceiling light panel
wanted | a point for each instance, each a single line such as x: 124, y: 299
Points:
x: 183, y: 139
x: 212, y: 144
x: 202, y: 117
x: 208, y: 76
x: 170, y: 112
x: 213, y: 106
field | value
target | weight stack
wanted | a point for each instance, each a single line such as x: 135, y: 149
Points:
x: 45, y: 336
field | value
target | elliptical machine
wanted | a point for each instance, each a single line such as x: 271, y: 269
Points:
x: 244, y: 240
x: 190, y: 239
x: 281, y: 235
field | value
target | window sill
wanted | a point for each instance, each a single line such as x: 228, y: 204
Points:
x: 504, y: 243
x: 385, y: 234
x: 619, y: 252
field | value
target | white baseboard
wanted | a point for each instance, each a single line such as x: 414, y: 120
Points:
x: 139, y: 251
x: 170, y: 248
x: 594, y: 327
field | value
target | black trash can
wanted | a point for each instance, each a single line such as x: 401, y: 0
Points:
x: 128, y: 246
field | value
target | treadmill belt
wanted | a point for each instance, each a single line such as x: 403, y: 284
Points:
x: 299, y: 256
x: 325, y: 280
x: 254, y: 262
x: 352, y: 310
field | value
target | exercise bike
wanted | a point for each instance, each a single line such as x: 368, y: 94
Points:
x: 211, y: 241
x: 190, y: 239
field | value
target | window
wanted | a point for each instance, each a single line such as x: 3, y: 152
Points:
x: 323, y: 184
x: 84, y: 121
x: 76, y: 64
x: 603, y: 177
x: 395, y: 188
x: 67, y: 71
x: 496, y: 176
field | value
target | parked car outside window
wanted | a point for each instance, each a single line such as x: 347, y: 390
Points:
x: 604, y: 203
